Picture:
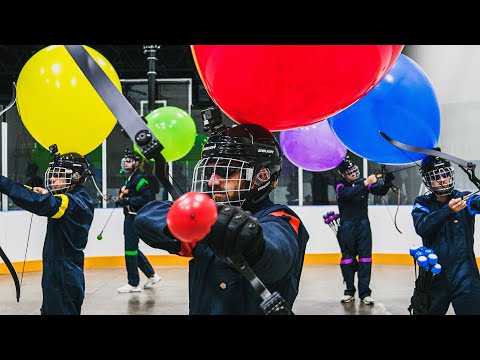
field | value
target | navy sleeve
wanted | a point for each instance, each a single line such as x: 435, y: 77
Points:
x: 151, y: 226
x: 426, y: 222
x: 281, y: 248
x: 39, y: 204
x: 350, y: 192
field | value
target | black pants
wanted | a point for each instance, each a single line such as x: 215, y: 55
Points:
x: 134, y: 258
x: 356, y: 246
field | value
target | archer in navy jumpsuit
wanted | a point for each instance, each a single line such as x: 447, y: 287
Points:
x: 356, y: 233
x: 445, y: 220
x: 238, y: 169
x: 216, y: 288
x: 450, y: 235
x: 70, y: 216
x: 138, y: 194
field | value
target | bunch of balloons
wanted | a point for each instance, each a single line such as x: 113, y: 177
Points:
x: 428, y: 267
x: 332, y: 219
x: 283, y: 87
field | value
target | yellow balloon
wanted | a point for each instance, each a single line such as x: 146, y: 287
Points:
x: 58, y: 105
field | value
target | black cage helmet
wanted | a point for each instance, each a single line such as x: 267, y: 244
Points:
x: 71, y: 166
x: 434, y: 168
x: 130, y: 156
x: 247, y: 148
x: 347, y: 167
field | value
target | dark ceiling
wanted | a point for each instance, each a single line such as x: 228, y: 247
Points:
x: 129, y: 61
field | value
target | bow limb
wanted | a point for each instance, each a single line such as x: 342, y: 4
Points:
x: 161, y: 172
x: 12, y: 272
x: 467, y: 166
x: 128, y: 118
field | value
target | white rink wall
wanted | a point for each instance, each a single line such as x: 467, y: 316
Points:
x: 14, y: 228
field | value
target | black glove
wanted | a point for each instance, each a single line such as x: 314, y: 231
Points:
x: 122, y: 201
x: 236, y: 233
x: 389, y: 177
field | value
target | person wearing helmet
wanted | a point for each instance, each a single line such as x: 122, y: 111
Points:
x: 355, y: 231
x: 238, y: 169
x: 132, y: 196
x: 69, y: 210
x: 445, y: 220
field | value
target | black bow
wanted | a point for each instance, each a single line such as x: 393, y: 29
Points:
x: 12, y: 272
x: 467, y: 166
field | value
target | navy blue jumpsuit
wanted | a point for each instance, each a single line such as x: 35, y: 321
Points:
x: 70, y: 216
x: 450, y: 235
x: 139, y: 195
x: 356, y: 234
x: 216, y: 288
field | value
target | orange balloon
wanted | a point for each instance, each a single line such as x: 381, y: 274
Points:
x: 283, y: 87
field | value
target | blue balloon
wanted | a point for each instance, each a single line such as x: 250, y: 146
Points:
x: 403, y: 105
x: 436, y: 269
x: 413, y: 251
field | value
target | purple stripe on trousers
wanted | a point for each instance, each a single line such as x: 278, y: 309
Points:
x: 346, y: 261
x: 365, y: 260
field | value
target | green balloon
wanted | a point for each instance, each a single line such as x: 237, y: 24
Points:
x: 196, y: 152
x: 95, y: 157
x: 174, y: 128
x: 40, y: 156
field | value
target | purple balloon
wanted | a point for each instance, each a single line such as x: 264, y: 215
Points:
x: 287, y: 167
x: 314, y: 147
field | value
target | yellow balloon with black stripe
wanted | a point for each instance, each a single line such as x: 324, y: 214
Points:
x: 58, y: 105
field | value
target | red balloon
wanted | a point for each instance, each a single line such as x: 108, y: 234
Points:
x: 191, y: 216
x: 283, y: 87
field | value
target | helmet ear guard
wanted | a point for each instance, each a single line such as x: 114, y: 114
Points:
x: 76, y: 177
x: 265, y: 173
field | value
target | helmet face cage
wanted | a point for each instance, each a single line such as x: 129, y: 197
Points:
x: 224, y: 168
x: 351, y: 170
x: 129, y: 162
x: 253, y: 148
x: 444, y: 178
x: 58, y: 186
x: 72, y: 169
